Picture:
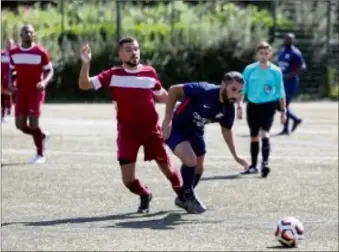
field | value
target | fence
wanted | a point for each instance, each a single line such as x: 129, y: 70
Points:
x: 316, y: 31
x: 315, y: 25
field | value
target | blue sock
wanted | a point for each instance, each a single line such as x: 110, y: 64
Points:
x: 188, y: 177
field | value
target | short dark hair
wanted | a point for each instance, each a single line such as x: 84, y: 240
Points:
x: 234, y: 76
x: 125, y: 40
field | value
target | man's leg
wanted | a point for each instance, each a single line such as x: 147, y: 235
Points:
x: 3, y: 107
x: 265, y: 140
x: 291, y: 90
x: 155, y: 149
x: 253, y: 122
x: 128, y: 146
x: 199, y: 147
x: 9, y: 104
x: 38, y: 137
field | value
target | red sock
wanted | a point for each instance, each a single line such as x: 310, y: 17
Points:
x: 175, y: 180
x: 27, y: 130
x: 137, y: 187
x: 38, y: 137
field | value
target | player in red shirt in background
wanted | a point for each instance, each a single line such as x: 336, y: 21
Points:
x: 6, y: 94
x: 133, y: 87
x: 33, y: 72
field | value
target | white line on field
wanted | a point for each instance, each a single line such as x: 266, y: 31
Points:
x: 140, y: 155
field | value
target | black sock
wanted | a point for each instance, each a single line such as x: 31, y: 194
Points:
x: 197, y: 179
x: 265, y: 150
x: 254, y: 153
x: 188, y: 176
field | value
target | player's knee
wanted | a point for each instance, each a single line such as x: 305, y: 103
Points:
x: 264, y: 134
x: 190, y: 160
x: 255, y: 138
x: 19, y: 125
x: 127, y: 171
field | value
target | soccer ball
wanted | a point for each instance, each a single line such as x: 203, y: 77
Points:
x: 289, y: 231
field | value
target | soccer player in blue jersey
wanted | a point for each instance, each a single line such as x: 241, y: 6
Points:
x: 291, y: 63
x: 183, y: 128
x: 263, y: 88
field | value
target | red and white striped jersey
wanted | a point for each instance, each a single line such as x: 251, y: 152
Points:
x: 133, y: 93
x: 29, y: 63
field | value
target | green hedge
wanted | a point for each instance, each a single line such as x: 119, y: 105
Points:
x: 203, y: 42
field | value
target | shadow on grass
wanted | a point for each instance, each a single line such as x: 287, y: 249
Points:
x: 281, y: 247
x: 15, y: 164
x: 168, y: 222
x: 85, y: 219
x: 223, y: 177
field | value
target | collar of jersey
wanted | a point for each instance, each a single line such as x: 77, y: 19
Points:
x: 26, y: 49
x: 133, y: 71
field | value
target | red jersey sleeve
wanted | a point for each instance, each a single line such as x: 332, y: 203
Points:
x: 157, y: 89
x: 103, y: 79
x: 45, y: 61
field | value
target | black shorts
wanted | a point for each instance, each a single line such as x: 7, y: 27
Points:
x: 260, y: 116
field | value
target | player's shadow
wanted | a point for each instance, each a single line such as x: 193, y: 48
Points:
x: 85, y: 219
x: 15, y: 164
x: 223, y: 177
x: 281, y: 247
x: 168, y: 222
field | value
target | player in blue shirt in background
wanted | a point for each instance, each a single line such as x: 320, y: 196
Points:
x: 263, y: 88
x: 291, y: 63
x: 183, y: 128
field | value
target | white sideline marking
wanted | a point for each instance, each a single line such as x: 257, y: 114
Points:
x: 140, y: 155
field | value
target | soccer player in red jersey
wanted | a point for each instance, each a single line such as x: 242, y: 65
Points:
x: 133, y: 88
x: 6, y: 94
x: 33, y: 72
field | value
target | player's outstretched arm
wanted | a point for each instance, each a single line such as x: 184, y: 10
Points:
x: 84, y: 79
x: 229, y: 139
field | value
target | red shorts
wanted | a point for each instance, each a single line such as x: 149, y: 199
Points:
x: 130, y: 139
x: 29, y: 102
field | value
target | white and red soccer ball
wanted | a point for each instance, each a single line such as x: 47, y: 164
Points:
x: 289, y: 231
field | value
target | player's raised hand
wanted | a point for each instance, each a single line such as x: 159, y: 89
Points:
x: 166, y: 128
x: 85, y: 54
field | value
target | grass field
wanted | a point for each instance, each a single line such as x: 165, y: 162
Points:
x: 76, y: 201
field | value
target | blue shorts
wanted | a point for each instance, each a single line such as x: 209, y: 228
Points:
x: 196, y: 140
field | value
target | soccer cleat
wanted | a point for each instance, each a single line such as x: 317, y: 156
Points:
x: 296, y: 124
x: 250, y: 170
x: 180, y: 202
x: 265, y: 170
x: 144, y: 203
x: 195, y: 206
x: 46, y: 139
x: 38, y: 160
x: 284, y: 133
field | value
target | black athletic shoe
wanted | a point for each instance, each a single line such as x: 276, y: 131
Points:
x: 144, y: 203
x: 265, y: 170
x: 296, y: 124
x: 250, y: 170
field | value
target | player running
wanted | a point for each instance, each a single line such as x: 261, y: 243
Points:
x: 183, y: 128
x: 33, y: 72
x: 263, y: 89
x: 133, y: 88
x: 291, y: 63
x: 6, y: 94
